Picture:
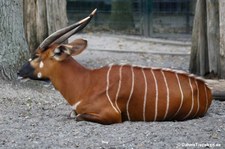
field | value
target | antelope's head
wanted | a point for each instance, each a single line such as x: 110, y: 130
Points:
x: 52, y: 51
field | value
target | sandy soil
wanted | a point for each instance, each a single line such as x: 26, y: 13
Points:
x: 34, y: 115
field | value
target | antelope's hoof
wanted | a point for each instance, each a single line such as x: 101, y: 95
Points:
x: 72, y: 115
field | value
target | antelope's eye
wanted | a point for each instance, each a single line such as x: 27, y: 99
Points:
x: 34, y: 57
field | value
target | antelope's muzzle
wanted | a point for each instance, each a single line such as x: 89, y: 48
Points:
x: 26, y: 71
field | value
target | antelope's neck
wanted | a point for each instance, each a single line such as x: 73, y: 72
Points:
x: 71, y: 79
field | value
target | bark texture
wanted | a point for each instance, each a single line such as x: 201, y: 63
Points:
x: 43, y: 17
x: 222, y: 39
x: 207, y: 52
x: 14, y: 49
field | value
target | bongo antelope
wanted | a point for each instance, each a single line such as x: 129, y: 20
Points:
x: 115, y: 93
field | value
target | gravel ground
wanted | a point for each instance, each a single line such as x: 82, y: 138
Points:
x: 34, y: 115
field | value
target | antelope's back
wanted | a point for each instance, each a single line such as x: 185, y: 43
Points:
x: 154, y: 94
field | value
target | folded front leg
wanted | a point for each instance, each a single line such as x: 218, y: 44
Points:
x: 97, y: 118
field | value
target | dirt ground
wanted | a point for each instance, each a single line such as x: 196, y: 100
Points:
x: 34, y: 115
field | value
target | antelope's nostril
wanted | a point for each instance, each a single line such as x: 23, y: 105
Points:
x: 19, y: 76
x: 19, y: 73
x: 26, y: 71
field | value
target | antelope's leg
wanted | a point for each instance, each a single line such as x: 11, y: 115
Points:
x: 97, y: 118
x: 72, y: 115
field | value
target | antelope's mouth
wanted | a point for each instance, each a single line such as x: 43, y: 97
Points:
x: 25, y: 79
x: 22, y: 79
x: 20, y: 76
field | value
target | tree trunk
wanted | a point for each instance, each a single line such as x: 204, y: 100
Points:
x: 199, y: 50
x: 43, y: 17
x: 222, y: 39
x: 206, y: 57
x: 14, y: 48
x: 213, y: 35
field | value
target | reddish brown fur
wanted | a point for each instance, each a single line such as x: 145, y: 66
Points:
x: 77, y: 83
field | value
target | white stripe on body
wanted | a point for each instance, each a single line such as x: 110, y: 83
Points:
x: 182, y: 95
x: 192, y: 99
x: 145, y: 95
x: 167, y: 95
x: 156, y: 96
x: 196, y: 82
x: 131, y: 92
x: 107, y: 89
x: 119, y: 87
x: 206, y: 103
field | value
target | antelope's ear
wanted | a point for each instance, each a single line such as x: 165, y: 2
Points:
x: 73, y: 48
x: 76, y: 47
